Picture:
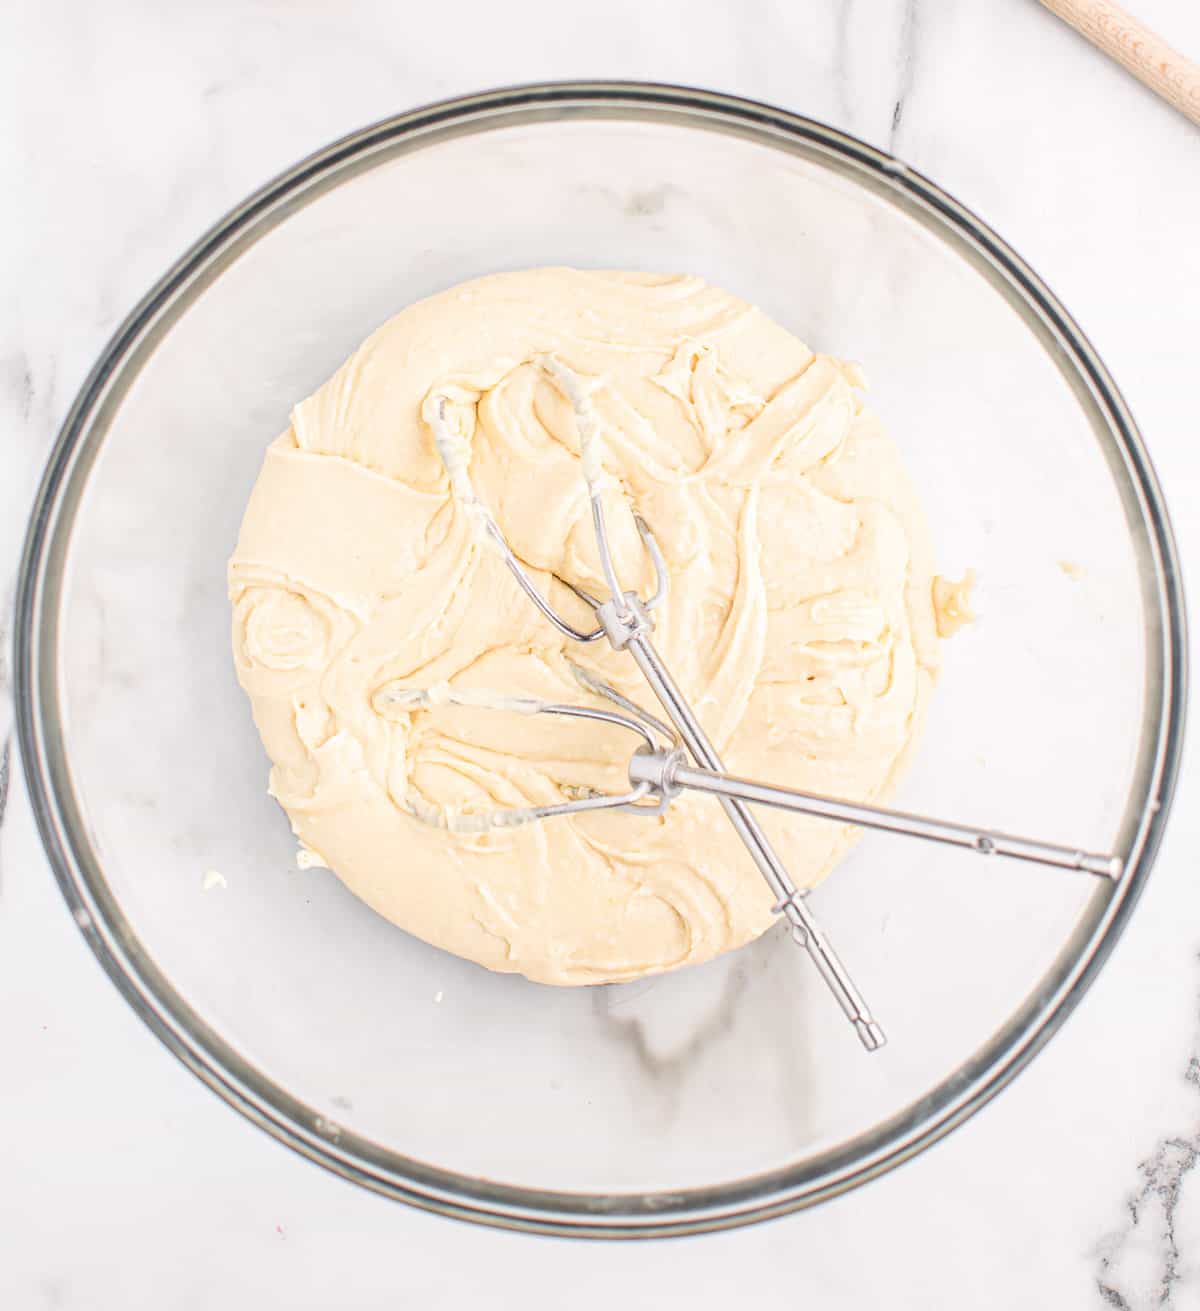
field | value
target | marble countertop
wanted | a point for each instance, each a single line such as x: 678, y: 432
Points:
x: 126, y: 130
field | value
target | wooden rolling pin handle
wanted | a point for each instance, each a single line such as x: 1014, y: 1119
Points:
x: 1147, y: 56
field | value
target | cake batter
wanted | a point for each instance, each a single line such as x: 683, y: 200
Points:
x: 800, y: 624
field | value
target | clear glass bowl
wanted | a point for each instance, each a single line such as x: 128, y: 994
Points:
x: 719, y: 1094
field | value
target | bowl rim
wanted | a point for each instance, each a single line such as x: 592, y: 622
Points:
x: 220, y: 1067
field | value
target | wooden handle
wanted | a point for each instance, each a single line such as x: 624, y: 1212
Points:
x: 1147, y: 56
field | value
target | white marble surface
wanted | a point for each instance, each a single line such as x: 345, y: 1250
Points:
x: 124, y: 132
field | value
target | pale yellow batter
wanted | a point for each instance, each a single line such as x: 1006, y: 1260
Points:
x: 800, y: 621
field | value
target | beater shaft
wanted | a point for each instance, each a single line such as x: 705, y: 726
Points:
x: 627, y: 626
x: 666, y: 772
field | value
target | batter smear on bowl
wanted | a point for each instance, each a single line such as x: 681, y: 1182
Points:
x: 801, y: 621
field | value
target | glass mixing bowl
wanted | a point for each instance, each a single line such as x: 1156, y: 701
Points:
x: 720, y: 1094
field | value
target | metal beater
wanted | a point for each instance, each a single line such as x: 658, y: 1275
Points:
x: 659, y: 768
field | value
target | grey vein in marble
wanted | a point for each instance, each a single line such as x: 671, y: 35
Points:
x: 664, y: 1068
x: 630, y: 1031
x: 1142, y: 1263
x: 5, y: 715
x: 17, y: 376
x: 27, y: 397
x: 909, y: 33
x: 841, y: 59
x: 5, y: 770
